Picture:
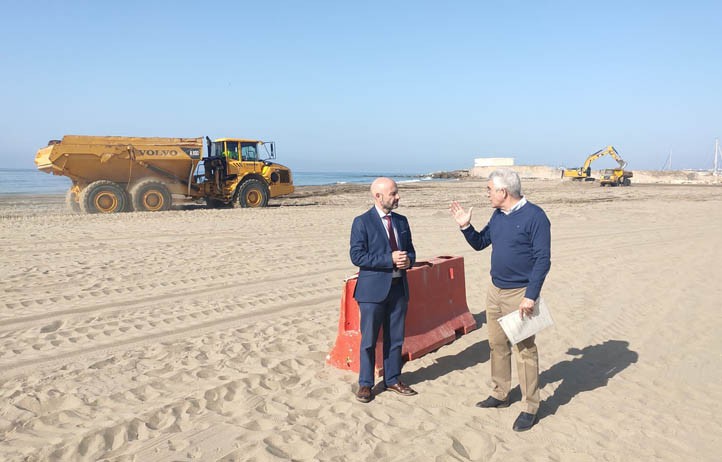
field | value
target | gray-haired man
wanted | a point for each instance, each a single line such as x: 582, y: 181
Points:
x: 520, y: 235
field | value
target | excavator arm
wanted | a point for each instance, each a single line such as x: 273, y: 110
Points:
x: 609, y: 150
x: 615, y: 155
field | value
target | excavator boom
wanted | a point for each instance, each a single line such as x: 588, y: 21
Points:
x: 609, y: 150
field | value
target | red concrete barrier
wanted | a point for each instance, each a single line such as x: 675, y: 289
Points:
x: 437, y: 314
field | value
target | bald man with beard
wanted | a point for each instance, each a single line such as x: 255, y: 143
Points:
x: 381, y: 247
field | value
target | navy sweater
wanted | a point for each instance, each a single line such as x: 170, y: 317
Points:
x: 520, y: 248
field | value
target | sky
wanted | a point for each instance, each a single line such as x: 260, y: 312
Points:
x: 392, y: 86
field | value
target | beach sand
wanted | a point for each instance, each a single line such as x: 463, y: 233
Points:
x: 201, y: 335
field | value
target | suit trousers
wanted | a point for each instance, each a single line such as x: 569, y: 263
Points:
x: 498, y: 303
x: 391, y: 314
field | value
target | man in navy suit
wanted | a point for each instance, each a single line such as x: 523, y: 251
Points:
x: 382, y: 249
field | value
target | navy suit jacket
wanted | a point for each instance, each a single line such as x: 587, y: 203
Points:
x: 371, y: 252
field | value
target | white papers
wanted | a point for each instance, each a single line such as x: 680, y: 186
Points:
x: 518, y: 329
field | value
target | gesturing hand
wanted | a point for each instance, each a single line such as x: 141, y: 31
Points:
x: 462, y: 217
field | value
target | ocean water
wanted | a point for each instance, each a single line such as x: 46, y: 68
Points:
x: 29, y: 181
x: 328, y: 178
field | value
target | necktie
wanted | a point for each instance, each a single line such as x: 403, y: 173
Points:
x: 392, y: 236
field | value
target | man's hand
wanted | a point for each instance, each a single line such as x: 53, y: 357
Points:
x: 526, y: 307
x: 462, y: 217
x: 400, y: 259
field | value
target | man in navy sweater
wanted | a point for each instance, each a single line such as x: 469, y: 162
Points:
x: 520, y: 237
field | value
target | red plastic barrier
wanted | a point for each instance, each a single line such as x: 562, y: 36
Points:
x: 437, y: 314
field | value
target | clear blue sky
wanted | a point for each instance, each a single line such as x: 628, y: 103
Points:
x: 371, y: 86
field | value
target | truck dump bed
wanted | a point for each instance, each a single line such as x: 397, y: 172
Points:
x: 120, y: 159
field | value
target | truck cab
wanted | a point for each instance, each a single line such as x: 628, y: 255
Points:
x: 243, y: 150
x: 253, y: 178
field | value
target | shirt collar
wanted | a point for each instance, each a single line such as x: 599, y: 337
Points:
x: 517, y: 206
x: 381, y: 212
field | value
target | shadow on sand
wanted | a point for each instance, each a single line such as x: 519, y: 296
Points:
x: 471, y: 356
x: 592, y: 368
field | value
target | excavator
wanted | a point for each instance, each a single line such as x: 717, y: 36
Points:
x: 610, y: 176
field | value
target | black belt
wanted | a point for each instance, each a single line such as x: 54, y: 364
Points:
x: 395, y: 281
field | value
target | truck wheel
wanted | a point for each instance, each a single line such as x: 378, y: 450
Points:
x: 253, y: 193
x: 150, y: 196
x: 103, y: 196
x: 627, y: 182
x: 71, y: 201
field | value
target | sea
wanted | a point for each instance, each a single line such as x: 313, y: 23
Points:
x: 30, y: 181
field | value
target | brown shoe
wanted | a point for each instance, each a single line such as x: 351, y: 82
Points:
x: 364, y: 394
x: 402, y: 389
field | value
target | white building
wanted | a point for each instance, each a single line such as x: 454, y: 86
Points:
x: 493, y: 162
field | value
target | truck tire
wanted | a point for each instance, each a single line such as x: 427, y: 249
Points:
x: 150, y: 195
x: 253, y: 193
x: 71, y: 201
x: 627, y: 182
x: 103, y: 196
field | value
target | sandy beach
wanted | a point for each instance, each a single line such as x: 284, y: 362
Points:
x: 201, y: 335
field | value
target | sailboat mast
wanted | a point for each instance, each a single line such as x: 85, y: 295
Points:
x: 668, y: 162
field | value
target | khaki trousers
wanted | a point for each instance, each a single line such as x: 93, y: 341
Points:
x: 498, y: 303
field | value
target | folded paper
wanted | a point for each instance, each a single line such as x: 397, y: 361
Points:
x: 517, y: 328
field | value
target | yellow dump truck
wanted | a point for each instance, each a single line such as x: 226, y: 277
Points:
x: 616, y: 177
x: 115, y: 174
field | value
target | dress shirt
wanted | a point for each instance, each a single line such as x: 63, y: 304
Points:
x: 396, y: 273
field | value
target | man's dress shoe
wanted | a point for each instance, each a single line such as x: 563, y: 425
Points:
x: 364, y: 394
x: 492, y: 402
x: 524, y: 422
x: 402, y: 389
